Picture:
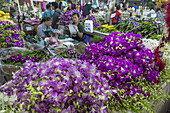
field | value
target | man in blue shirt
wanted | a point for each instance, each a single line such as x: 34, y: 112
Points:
x: 48, y: 12
x: 135, y: 6
x: 45, y: 26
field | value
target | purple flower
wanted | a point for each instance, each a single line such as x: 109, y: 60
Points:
x: 67, y: 84
x: 13, y: 38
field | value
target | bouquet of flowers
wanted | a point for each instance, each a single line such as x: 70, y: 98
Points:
x: 10, y: 35
x: 95, y: 21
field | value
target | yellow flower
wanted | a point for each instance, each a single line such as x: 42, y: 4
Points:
x: 105, y: 26
x: 1, y: 12
x: 7, y: 14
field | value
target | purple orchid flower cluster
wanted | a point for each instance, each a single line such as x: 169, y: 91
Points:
x: 66, y: 18
x: 95, y: 22
x: 19, y: 58
x: 59, y: 85
x: 10, y: 35
x: 124, y: 62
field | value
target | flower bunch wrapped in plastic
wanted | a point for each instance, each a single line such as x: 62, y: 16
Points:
x: 10, y: 35
x: 95, y: 22
x: 20, y: 59
x: 66, y: 18
x: 127, y: 65
x: 59, y: 86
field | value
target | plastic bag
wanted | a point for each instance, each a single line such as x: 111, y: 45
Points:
x: 5, y: 52
x: 6, y: 72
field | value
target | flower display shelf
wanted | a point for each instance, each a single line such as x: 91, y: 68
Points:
x: 97, y: 33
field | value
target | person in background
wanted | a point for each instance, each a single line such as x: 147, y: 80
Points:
x: 29, y: 7
x: 25, y: 8
x: 135, y: 6
x: 61, y: 6
x: 152, y: 11
x: 69, y: 4
x: 155, y: 7
x: 45, y: 26
x: 86, y: 9
x: 78, y: 27
x: 48, y: 12
x: 108, y: 16
x: 160, y: 15
x: 56, y: 17
x: 96, y: 10
x: 53, y: 4
x: 115, y: 16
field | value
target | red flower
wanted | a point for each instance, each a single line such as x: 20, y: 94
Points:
x: 157, y: 81
x: 158, y: 61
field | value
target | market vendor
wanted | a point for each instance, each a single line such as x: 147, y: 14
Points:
x: 78, y: 27
x: 45, y: 26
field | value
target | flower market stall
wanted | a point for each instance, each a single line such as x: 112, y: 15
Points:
x: 127, y: 70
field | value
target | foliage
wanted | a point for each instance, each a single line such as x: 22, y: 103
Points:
x: 10, y: 35
x: 59, y: 86
x: 146, y: 28
x: 151, y: 5
x: 97, y: 39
